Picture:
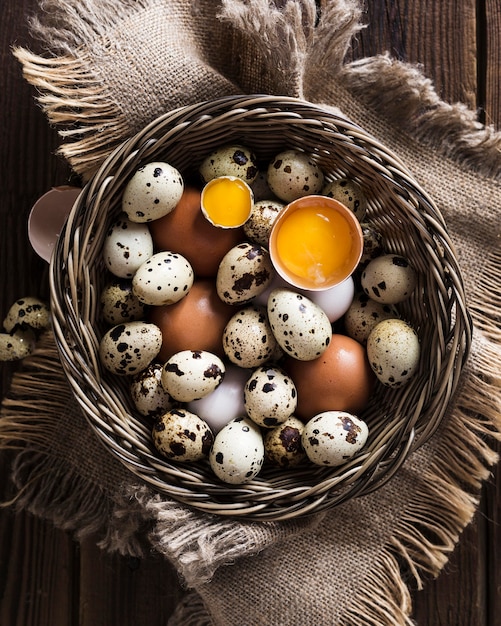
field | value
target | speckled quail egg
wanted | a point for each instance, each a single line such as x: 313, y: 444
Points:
x: 350, y: 193
x: 180, y: 435
x: 393, y: 350
x: 283, y: 446
x: 230, y: 160
x: 263, y: 215
x: 260, y: 187
x: 389, y: 278
x: 373, y: 244
x: 244, y: 272
x: 28, y: 311
x: 126, y: 246
x: 237, y: 453
x: 293, y: 174
x: 17, y: 344
x: 130, y: 347
x: 248, y: 340
x: 333, y: 301
x: 363, y: 315
x: 224, y: 403
x: 301, y: 327
x: 153, y: 191
x: 333, y: 437
x: 270, y: 396
x: 165, y: 278
x: 192, y: 374
x: 120, y: 304
x: 148, y: 394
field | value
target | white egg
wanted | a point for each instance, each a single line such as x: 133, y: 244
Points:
x: 333, y: 437
x: 300, y: 326
x: 153, y: 191
x: 270, y: 396
x: 334, y: 301
x: 244, y: 272
x: 389, y: 278
x: 237, y: 454
x: 192, y: 374
x: 126, y: 246
x: 130, y: 347
x: 393, y: 350
x: 180, y: 435
x: 226, y: 402
x: 165, y: 278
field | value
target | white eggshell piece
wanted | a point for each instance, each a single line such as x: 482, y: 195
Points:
x: 28, y: 311
x: 244, y: 272
x: 349, y: 193
x: 148, y: 394
x: 179, y: 435
x: 270, y: 396
x: 334, y: 301
x: 226, y: 402
x: 283, y: 445
x: 333, y: 437
x: 130, y: 347
x: 126, y: 246
x: 389, y: 278
x: 165, y: 278
x: 363, y: 315
x: 192, y: 374
x: 153, y: 191
x: 258, y: 227
x: 301, y: 327
x: 120, y: 304
x: 393, y: 350
x: 237, y: 454
x: 248, y: 340
x: 293, y: 174
x: 231, y: 160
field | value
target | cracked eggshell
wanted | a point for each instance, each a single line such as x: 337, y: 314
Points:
x: 148, y: 394
x: 263, y: 215
x: 293, y: 174
x: 129, y: 348
x: 180, y: 435
x: 248, y: 340
x: 237, y: 454
x: 244, y: 273
x: 393, y: 351
x: 165, y: 278
x: 283, y: 445
x: 389, y: 278
x: 120, y: 304
x: 363, y: 315
x: 153, y: 191
x: 126, y: 246
x: 192, y: 374
x: 301, y: 327
x: 270, y: 396
x: 333, y: 437
x: 230, y: 160
x: 28, y: 311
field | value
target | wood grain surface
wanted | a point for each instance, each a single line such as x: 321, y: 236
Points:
x: 49, y: 579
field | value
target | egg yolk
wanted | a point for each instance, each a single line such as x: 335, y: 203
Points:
x: 227, y: 202
x: 315, y: 243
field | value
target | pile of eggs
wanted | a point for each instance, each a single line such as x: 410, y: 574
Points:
x: 232, y: 363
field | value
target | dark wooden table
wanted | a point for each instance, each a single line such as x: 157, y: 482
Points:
x: 49, y: 579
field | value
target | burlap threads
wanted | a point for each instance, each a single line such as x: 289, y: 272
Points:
x: 376, y: 545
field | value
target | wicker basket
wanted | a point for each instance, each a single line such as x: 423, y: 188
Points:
x: 400, y: 419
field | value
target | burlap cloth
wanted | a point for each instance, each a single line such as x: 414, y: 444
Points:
x: 108, y: 68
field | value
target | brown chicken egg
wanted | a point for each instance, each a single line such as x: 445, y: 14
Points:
x: 185, y: 230
x: 194, y: 323
x: 340, y: 379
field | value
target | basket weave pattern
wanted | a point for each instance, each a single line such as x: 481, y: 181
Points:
x: 399, y: 419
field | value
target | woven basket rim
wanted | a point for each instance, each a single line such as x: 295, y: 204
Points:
x: 415, y: 414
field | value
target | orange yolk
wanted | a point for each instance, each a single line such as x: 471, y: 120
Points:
x: 227, y: 202
x: 315, y: 243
